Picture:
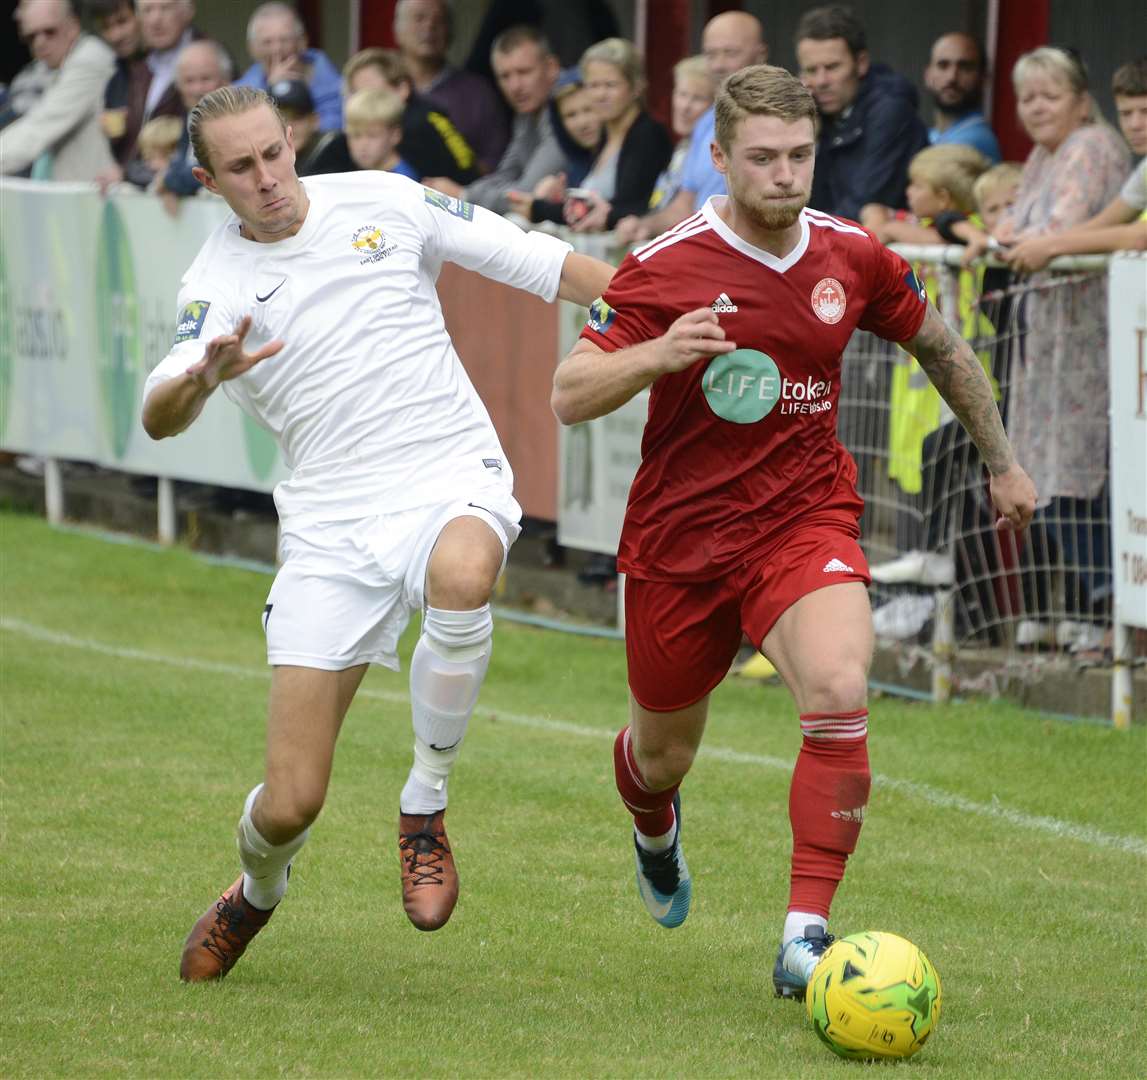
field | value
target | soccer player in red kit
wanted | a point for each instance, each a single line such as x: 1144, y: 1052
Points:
x: 744, y: 514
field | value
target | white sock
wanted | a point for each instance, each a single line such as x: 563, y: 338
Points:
x: 446, y: 673
x: 656, y: 843
x: 264, y: 865
x: 796, y: 921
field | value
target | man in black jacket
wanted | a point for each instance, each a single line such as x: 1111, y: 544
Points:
x: 870, y: 128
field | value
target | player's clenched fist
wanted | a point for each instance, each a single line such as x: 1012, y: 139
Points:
x: 694, y: 336
x: 225, y: 358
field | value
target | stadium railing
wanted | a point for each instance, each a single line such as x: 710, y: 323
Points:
x: 87, y: 297
x: 978, y: 607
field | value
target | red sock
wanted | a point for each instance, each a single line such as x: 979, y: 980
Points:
x: 652, y: 810
x: 827, y: 801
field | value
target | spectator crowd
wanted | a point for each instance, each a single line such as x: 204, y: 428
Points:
x: 578, y: 147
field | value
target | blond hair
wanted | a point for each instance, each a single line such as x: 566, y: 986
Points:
x: 998, y: 176
x: 226, y: 101
x: 1063, y: 66
x: 374, y: 106
x: 693, y: 67
x: 761, y: 90
x: 618, y: 53
x: 950, y: 167
x: 160, y: 135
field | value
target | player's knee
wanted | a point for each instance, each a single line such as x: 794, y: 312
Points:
x: 665, y: 765
x: 838, y: 688
x: 291, y: 808
x: 463, y: 583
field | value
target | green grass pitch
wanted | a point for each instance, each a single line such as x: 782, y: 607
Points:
x: 1009, y: 846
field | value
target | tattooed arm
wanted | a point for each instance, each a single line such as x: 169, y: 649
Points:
x: 955, y: 370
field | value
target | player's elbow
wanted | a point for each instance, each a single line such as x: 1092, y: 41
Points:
x: 152, y: 425
x: 568, y: 405
x: 155, y: 422
x: 564, y: 406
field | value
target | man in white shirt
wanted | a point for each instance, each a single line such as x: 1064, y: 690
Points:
x: 314, y: 307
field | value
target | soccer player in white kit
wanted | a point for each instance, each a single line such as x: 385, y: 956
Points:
x: 314, y: 308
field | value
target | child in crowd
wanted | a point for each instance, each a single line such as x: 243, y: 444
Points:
x: 577, y: 127
x: 158, y: 141
x: 940, y: 180
x: 374, y: 130
x: 995, y: 190
x: 930, y: 456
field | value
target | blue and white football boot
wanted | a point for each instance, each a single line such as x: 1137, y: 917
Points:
x: 796, y: 961
x: 663, y: 878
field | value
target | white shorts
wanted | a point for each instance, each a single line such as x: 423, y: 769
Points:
x: 346, y: 589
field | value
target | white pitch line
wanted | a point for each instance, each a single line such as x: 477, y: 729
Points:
x: 1064, y: 830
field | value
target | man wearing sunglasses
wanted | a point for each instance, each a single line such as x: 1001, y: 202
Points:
x: 59, y: 138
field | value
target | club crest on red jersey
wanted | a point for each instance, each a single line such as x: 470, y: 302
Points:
x: 828, y: 300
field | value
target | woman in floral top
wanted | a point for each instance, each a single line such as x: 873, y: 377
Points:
x: 1058, y: 401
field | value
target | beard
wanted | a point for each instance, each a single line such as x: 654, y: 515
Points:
x: 954, y: 107
x: 775, y: 216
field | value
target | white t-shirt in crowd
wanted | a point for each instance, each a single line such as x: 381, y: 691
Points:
x: 368, y: 400
x: 1134, y: 192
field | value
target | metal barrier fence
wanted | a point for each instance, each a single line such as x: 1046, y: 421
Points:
x: 979, y: 607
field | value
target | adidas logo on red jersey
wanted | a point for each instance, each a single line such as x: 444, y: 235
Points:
x: 723, y: 305
x: 835, y: 566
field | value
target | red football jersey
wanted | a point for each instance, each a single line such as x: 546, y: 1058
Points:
x: 739, y: 446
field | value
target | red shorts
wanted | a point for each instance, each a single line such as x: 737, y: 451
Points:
x: 682, y: 636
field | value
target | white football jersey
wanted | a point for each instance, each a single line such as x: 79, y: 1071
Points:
x: 368, y: 400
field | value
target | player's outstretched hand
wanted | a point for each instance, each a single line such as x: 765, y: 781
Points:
x: 694, y: 336
x: 1014, y: 496
x: 225, y: 358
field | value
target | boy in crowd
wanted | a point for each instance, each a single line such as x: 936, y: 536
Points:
x: 995, y: 190
x: 431, y: 143
x: 929, y: 454
x: 374, y: 130
x: 158, y: 141
x: 940, y: 182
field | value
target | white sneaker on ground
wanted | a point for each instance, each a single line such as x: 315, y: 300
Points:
x: 1033, y: 632
x: 917, y: 568
x: 1079, y: 636
x: 903, y: 617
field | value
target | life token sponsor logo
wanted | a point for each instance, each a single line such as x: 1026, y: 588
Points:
x: 835, y: 566
x: 828, y: 300
x: 370, y: 242
x: 601, y: 316
x: 913, y: 283
x: 458, y: 207
x: 191, y: 320
x: 744, y: 386
x: 723, y: 305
